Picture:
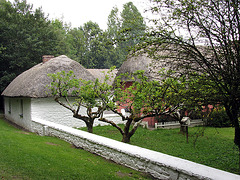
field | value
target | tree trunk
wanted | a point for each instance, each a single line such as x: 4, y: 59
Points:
x: 237, y: 142
x: 232, y: 112
x: 126, y: 138
x: 238, y: 159
x: 237, y: 136
x: 88, y: 121
x: 126, y: 134
x: 89, y: 127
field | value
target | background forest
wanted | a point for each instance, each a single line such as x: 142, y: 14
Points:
x: 27, y: 34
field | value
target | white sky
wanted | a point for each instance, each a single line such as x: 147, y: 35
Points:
x: 78, y: 12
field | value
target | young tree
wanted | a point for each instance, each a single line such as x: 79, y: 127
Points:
x: 140, y: 100
x: 77, y: 96
x: 204, y: 36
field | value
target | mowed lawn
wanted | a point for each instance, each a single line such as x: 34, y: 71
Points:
x: 25, y: 155
x: 207, y: 145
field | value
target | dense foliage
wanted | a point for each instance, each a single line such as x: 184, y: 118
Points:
x: 218, y: 118
x: 95, y: 48
x: 25, y: 35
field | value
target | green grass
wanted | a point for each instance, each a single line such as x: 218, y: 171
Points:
x: 24, y: 155
x: 214, y: 146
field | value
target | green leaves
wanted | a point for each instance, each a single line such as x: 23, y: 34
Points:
x: 140, y: 98
x: 146, y: 97
x: 25, y: 35
x: 88, y: 94
x: 63, y: 84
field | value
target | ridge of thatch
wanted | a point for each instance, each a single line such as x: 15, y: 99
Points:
x: 100, y: 74
x: 33, y: 82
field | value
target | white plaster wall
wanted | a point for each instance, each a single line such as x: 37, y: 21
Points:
x: 159, y: 165
x: 14, y: 112
x: 49, y: 110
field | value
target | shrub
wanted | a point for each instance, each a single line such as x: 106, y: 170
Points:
x: 218, y: 118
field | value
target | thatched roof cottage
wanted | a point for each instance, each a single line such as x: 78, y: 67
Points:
x: 26, y: 96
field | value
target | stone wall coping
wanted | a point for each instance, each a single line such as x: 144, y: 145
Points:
x: 175, y: 163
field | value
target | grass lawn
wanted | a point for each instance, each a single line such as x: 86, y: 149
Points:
x: 214, y: 146
x: 24, y: 155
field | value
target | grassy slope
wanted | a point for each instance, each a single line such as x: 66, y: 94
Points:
x: 214, y: 146
x: 28, y: 156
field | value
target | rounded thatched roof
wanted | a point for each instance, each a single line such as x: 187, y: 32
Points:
x: 132, y: 64
x: 33, y: 82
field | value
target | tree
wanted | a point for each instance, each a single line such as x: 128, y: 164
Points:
x: 61, y: 31
x: 25, y: 36
x: 193, y: 92
x: 91, y: 47
x: 113, y: 24
x: 95, y: 48
x: 113, y: 34
x: 91, y: 32
x: 76, y: 41
x: 79, y: 96
x: 132, y: 25
x: 125, y: 30
x: 204, y: 36
x: 142, y: 99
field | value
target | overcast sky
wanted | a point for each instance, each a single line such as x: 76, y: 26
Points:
x: 78, y: 12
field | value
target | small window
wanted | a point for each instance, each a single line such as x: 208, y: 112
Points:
x: 21, y: 108
x: 9, y: 106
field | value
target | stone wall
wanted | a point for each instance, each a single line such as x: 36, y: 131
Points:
x: 159, y: 165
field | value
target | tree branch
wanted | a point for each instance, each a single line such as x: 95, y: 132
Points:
x: 112, y: 123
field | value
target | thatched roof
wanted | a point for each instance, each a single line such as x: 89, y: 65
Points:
x: 167, y: 56
x: 140, y: 62
x: 32, y: 83
x: 100, y: 74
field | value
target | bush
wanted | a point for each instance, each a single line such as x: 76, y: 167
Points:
x: 219, y: 118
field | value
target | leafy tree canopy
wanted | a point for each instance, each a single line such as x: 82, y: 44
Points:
x: 204, y: 37
x: 25, y: 36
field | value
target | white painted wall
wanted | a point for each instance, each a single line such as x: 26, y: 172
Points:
x: 49, y: 110
x: 17, y: 111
